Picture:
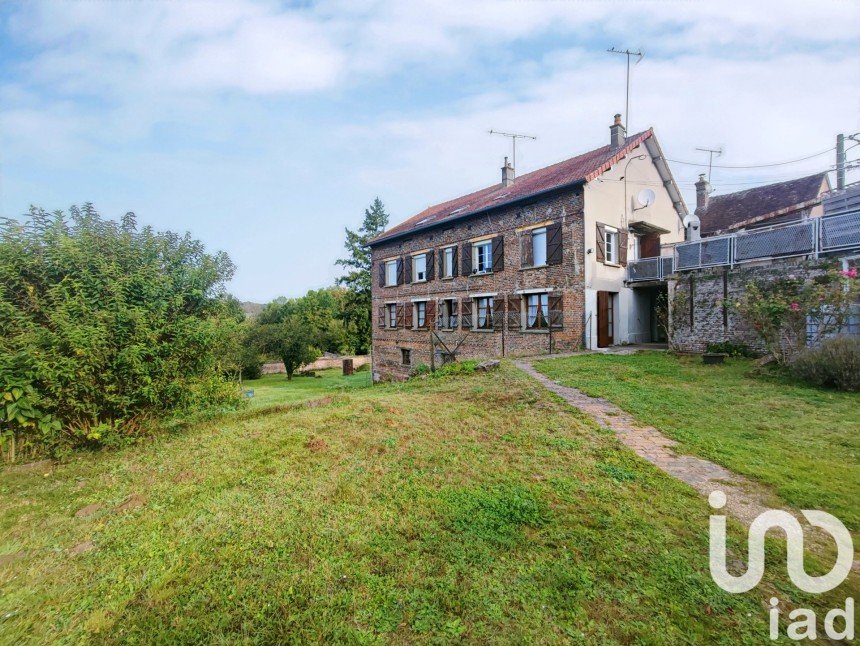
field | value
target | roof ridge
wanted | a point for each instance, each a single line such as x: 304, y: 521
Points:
x: 578, y: 168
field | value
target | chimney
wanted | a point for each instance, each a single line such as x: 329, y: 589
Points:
x: 617, y: 134
x: 507, y: 173
x: 703, y: 190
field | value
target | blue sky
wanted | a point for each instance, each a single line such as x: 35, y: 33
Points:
x: 264, y: 128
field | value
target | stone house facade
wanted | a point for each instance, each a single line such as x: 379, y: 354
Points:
x: 529, y: 266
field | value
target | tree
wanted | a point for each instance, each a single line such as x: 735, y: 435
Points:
x: 358, y: 279
x: 104, y: 324
x: 291, y: 340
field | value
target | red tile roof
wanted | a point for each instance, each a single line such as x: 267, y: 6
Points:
x: 734, y: 210
x: 583, y: 168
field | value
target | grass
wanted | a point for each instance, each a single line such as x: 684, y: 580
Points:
x: 802, y: 441
x: 467, y: 508
x: 275, y: 389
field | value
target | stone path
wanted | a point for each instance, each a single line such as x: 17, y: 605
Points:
x: 745, y: 499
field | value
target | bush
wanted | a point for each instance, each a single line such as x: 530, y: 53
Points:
x: 834, y: 363
x: 732, y: 349
x: 104, y: 326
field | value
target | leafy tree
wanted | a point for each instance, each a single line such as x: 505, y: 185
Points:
x: 358, y: 279
x: 320, y: 311
x: 291, y: 340
x: 104, y: 324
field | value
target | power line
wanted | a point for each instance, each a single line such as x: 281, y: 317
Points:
x: 791, y: 161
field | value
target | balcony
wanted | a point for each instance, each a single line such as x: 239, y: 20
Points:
x: 815, y: 237
x: 650, y: 269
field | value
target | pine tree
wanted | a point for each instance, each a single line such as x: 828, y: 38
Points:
x: 358, y: 279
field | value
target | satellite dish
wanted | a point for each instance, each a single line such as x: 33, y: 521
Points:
x: 646, y: 197
x: 692, y: 221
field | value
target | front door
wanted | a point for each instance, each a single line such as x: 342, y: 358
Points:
x: 605, y: 320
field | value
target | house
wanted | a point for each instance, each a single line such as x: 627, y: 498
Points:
x: 531, y: 265
x: 762, y: 206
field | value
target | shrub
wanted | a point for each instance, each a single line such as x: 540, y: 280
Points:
x: 104, y: 325
x: 834, y: 363
x: 732, y: 349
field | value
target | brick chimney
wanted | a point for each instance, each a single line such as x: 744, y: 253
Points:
x: 617, y: 134
x: 507, y: 173
x: 703, y: 190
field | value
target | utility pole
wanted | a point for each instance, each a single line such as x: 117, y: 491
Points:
x: 840, y: 162
x: 711, y: 152
x: 640, y: 55
x: 514, y: 136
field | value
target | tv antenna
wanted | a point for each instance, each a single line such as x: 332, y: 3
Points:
x: 711, y: 152
x: 640, y: 55
x: 514, y: 136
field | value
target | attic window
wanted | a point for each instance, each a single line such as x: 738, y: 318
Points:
x: 499, y: 197
x: 458, y: 210
x: 422, y: 221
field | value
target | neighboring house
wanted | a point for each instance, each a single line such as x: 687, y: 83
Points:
x: 531, y: 265
x: 762, y: 206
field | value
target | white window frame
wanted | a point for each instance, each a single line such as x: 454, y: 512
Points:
x: 489, y: 313
x: 447, y: 315
x: 611, y: 242
x: 391, y: 315
x: 539, y: 235
x: 417, y: 322
x: 390, y: 273
x: 448, y: 257
x: 541, y: 303
x: 487, y: 255
x: 415, y: 272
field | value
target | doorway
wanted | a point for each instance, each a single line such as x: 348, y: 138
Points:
x: 605, y: 319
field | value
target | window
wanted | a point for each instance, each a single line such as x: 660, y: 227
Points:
x: 449, y: 314
x: 391, y: 312
x: 419, y: 267
x: 611, y: 246
x: 538, y: 247
x: 406, y: 356
x: 420, y: 314
x: 483, y: 255
x: 537, y: 311
x: 390, y: 273
x: 448, y: 264
x: 484, y: 320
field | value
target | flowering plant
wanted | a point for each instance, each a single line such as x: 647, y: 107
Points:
x: 790, y: 312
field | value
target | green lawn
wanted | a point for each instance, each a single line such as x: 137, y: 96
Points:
x: 275, y: 389
x: 803, y: 441
x: 476, y: 508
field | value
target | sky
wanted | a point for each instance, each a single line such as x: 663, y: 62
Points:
x: 265, y: 128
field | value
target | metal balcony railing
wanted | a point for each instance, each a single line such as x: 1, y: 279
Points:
x: 650, y: 269
x: 810, y: 238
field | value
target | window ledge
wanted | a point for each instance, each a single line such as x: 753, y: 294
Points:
x: 483, y: 330
x: 528, y: 267
x: 447, y: 278
x: 482, y: 273
x: 538, y: 331
x: 612, y: 264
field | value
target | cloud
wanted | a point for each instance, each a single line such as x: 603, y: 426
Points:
x: 266, y: 128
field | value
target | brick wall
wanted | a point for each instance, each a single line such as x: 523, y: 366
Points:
x: 564, y: 207
x: 700, y: 302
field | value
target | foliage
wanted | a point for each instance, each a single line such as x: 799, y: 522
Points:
x: 661, y: 313
x: 834, y: 363
x: 415, y: 513
x: 773, y: 430
x: 358, y: 279
x: 291, y: 340
x: 21, y: 415
x: 105, y: 324
x: 780, y: 310
x: 732, y: 349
